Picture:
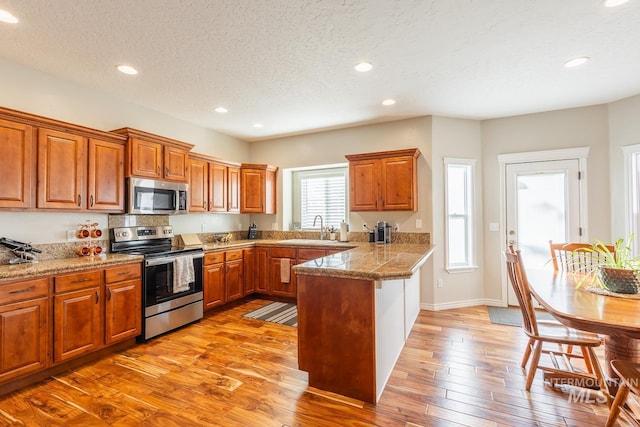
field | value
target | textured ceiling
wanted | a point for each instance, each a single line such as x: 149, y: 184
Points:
x: 289, y: 64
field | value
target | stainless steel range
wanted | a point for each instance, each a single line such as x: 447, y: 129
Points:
x: 172, y: 277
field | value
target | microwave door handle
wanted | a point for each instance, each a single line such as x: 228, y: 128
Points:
x: 177, y: 195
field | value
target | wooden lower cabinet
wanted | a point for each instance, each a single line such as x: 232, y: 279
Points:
x: 77, y: 323
x: 233, y: 275
x: 90, y: 314
x: 123, y: 303
x: 279, y: 286
x: 262, y: 270
x: 250, y: 268
x: 213, y: 281
x: 24, y: 328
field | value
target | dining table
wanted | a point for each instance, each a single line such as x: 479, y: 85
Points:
x: 578, y: 302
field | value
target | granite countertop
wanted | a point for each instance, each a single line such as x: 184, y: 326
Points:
x: 370, y: 261
x: 65, y: 265
x: 358, y: 260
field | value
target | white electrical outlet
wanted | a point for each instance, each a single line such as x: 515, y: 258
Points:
x: 365, y: 226
x: 71, y: 235
x: 440, y: 283
x: 396, y: 228
x: 418, y: 223
x: 203, y: 227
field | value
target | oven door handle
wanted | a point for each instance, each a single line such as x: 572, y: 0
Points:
x: 169, y: 259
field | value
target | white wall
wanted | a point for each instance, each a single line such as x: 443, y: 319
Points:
x: 576, y: 127
x: 330, y: 147
x: 624, y: 129
x: 458, y: 139
x: 34, y: 92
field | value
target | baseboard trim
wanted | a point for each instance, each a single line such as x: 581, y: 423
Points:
x: 461, y: 304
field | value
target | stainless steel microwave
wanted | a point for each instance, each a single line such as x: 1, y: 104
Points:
x: 149, y: 196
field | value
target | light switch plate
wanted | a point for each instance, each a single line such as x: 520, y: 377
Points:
x: 494, y: 226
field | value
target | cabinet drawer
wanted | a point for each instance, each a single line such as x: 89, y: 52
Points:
x: 233, y: 255
x: 213, y: 258
x: 72, y: 282
x: 309, y: 254
x: 24, y: 290
x: 122, y: 273
x: 282, y: 253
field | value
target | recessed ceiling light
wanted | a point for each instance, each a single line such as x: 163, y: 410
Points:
x: 258, y: 125
x: 220, y: 110
x: 7, y: 17
x: 614, y: 3
x: 576, y: 61
x: 127, y: 69
x: 388, y: 102
x: 363, y: 67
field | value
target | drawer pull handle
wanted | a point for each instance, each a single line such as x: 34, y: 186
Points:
x: 108, y: 294
x: 22, y: 291
x: 97, y: 297
x: 81, y: 280
x: 122, y: 273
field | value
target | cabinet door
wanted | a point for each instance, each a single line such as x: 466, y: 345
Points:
x: 213, y: 285
x: 24, y: 332
x: 217, y: 187
x: 233, y: 280
x: 278, y: 287
x: 198, y: 185
x: 252, y: 191
x: 398, y: 183
x: 123, y: 311
x: 62, y: 162
x: 363, y: 185
x: 249, y: 277
x: 233, y: 189
x: 262, y: 270
x: 146, y: 158
x: 16, y: 165
x: 77, y: 323
x: 175, y: 164
x: 106, y: 176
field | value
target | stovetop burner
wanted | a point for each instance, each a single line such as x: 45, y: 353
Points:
x: 151, y: 242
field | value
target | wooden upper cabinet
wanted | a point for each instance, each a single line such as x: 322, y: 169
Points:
x: 16, y: 165
x: 61, y: 169
x: 218, y: 187
x: 258, y: 188
x: 105, y: 190
x: 384, y: 180
x: 175, y: 164
x: 156, y: 157
x: 146, y: 158
x: 198, y: 185
x: 233, y: 189
x: 363, y: 185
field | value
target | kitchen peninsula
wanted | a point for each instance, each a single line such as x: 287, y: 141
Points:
x: 355, y: 310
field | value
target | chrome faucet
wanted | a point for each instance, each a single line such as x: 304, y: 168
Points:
x: 321, y: 225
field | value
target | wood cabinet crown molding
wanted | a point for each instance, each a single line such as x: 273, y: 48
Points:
x: 135, y: 133
x: 413, y: 152
x: 58, y: 125
x: 207, y: 158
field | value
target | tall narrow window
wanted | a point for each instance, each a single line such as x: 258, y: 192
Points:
x: 320, y: 192
x: 632, y: 202
x: 459, y: 194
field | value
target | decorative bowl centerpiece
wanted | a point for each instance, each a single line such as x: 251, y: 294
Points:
x: 618, y: 270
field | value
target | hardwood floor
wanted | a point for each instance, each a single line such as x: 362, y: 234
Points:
x: 456, y: 369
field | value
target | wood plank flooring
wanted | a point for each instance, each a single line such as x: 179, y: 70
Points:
x: 456, y: 369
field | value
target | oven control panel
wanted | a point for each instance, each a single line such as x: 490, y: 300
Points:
x: 128, y: 234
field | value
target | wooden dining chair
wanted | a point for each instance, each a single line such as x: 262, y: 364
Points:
x: 576, y: 256
x: 629, y: 374
x: 541, y: 333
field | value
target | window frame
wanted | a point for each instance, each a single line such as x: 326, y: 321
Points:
x: 632, y: 199
x: 298, y: 174
x: 471, y: 215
